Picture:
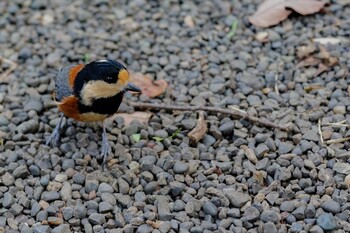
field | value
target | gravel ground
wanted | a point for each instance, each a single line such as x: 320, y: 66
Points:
x: 240, y: 178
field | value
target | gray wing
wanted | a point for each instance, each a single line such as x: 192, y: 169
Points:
x: 62, y: 86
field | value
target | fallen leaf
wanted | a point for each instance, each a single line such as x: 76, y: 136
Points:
x: 306, y: 50
x: 309, y: 61
x: 313, y: 87
x: 148, y: 86
x: 272, y: 12
x: 198, y: 132
x: 142, y: 117
x: 188, y: 20
x: 321, y: 68
x: 136, y: 137
x: 154, y: 224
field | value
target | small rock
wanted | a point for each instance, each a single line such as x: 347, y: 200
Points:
x: 21, y: 172
x: 327, y: 222
x: 63, y: 228
x: 270, y: 216
x: 180, y: 167
x: 210, y: 208
x: 97, y: 219
x: 41, y: 229
x: 343, y: 168
x: 237, y: 199
x: 331, y: 206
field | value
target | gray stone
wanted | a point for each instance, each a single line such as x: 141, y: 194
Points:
x: 251, y: 214
x: 327, y: 222
x: 299, y: 213
x: 33, y: 104
x: 343, y: 168
x: 227, y: 128
x: 21, y: 172
x: 261, y: 150
x: 63, y: 228
x: 144, y: 228
x: 97, y: 219
x: 237, y: 199
x: 176, y: 188
x: 163, y: 209
x: 8, y: 200
x: 296, y: 227
x: 287, y: 206
x: 41, y: 229
x: 50, y: 196
x: 331, y: 206
x: 270, y: 216
x: 210, y: 208
x: 30, y: 126
x: 270, y: 227
x: 105, y: 188
x: 67, y: 213
x: 66, y: 191
x: 180, y: 167
x: 105, y: 207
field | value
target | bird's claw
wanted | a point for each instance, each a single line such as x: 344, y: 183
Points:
x: 54, y: 139
x: 105, y: 150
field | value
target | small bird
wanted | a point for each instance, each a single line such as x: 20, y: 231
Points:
x: 90, y: 93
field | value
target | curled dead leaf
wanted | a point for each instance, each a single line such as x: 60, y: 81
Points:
x: 198, y: 132
x: 142, y: 117
x: 272, y: 12
x: 148, y: 86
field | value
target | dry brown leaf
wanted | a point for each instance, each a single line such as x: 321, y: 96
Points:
x: 149, y: 87
x: 306, y: 50
x: 142, y: 117
x: 272, y: 12
x: 321, y: 68
x: 309, y: 61
x: 154, y: 224
x: 198, y: 132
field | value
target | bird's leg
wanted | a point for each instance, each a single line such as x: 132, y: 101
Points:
x: 55, y: 135
x: 106, y: 148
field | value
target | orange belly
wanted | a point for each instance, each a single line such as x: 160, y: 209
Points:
x: 69, y: 106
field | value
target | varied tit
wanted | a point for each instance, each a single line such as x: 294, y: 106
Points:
x: 89, y: 93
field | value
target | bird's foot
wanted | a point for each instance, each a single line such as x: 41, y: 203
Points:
x: 105, y: 148
x: 54, y: 138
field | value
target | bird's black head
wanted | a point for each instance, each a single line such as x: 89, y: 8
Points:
x: 101, y: 79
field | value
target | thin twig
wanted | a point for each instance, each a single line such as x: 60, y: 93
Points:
x: 276, y: 85
x: 337, y: 124
x: 339, y: 140
x: 234, y: 113
x: 12, y: 67
x: 319, y: 130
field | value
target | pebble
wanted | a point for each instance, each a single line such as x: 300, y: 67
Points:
x: 97, y: 219
x: 270, y: 216
x: 241, y: 177
x: 237, y: 199
x: 327, y: 222
x: 180, y: 167
x: 331, y: 206
x: 210, y: 208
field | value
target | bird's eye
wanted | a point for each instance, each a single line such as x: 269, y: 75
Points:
x: 108, y: 79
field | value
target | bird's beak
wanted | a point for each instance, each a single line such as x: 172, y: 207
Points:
x: 132, y: 87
